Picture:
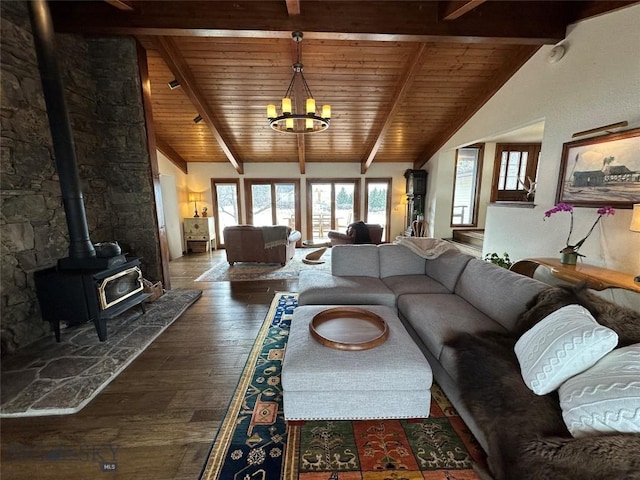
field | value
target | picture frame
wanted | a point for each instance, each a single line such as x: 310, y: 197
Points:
x: 602, y: 170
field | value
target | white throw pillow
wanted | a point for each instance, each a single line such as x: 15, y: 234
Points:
x: 606, y: 397
x: 563, y: 344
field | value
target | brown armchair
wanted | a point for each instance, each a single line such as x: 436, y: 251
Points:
x: 272, y: 244
x: 356, y: 234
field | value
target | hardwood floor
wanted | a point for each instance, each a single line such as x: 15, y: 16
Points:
x: 157, y: 420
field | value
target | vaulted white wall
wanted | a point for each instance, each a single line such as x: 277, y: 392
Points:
x: 596, y: 83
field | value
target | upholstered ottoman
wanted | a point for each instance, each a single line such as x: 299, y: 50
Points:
x: 391, y: 380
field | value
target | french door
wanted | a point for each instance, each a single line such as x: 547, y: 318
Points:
x: 331, y: 205
x: 273, y: 202
x: 378, y: 203
x: 226, y: 204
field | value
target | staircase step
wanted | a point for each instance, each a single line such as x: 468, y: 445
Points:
x: 467, y: 248
x: 470, y: 237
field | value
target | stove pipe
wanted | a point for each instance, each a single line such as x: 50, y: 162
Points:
x: 80, y: 245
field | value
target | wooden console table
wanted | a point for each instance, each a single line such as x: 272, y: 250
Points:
x: 597, y: 278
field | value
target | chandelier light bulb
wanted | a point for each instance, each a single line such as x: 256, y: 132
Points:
x: 289, y: 123
x: 271, y: 111
x: 326, y: 111
x: 308, y: 123
x: 311, y: 105
x: 286, y: 106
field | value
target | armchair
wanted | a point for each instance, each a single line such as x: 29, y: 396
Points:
x: 358, y: 232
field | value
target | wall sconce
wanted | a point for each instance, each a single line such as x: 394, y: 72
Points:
x: 198, y: 119
x: 195, y: 197
x: 173, y: 84
x: 635, y: 226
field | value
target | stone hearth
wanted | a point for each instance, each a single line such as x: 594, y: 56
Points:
x: 50, y: 378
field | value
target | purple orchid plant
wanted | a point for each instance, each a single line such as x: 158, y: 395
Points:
x: 563, y: 207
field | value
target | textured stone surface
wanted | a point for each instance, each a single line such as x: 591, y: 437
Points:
x: 109, y: 132
x: 48, y: 378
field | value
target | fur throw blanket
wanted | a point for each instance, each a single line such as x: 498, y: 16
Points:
x: 426, y: 247
x: 276, y: 235
x: 526, y: 435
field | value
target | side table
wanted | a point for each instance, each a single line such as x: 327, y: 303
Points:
x: 597, y: 278
x: 200, y: 232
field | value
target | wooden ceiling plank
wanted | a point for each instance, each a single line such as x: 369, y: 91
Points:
x: 408, y: 21
x: 302, y: 160
x: 503, y: 74
x: 180, y: 69
x: 456, y: 8
x: 171, y: 154
x: 407, y: 78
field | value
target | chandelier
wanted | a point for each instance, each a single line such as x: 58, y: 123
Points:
x: 289, y: 121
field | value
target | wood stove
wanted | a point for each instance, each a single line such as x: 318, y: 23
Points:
x: 94, y: 290
x: 83, y: 286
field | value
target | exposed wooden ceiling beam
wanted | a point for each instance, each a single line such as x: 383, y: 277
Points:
x: 302, y: 160
x: 176, y: 63
x: 171, y: 154
x: 299, y: 98
x: 593, y: 9
x: 456, y: 8
x: 293, y: 7
x: 119, y: 4
x: 406, y: 79
x: 505, y: 73
x: 412, y: 21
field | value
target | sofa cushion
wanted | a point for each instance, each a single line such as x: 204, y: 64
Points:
x: 355, y: 261
x: 497, y: 292
x: 624, y: 321
x: 403, y: 284
x: 606, y: 397
x: 438, y: 317
x: 399, y: 260
x: 563, y: 344
x: 448, y: 267
x: 322, y: 288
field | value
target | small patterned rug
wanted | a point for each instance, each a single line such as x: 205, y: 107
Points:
x: 248, y: 271
x: 254, y: 442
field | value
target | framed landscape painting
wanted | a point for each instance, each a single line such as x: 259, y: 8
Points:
x: 602, y: 170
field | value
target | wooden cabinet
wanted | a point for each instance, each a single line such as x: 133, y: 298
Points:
x: 200, y: 234
x: 416, y: 190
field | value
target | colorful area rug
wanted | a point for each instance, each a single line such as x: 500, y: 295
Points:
x: 254, y: 442
x: 248, y: 271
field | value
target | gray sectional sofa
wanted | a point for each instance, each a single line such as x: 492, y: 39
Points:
x: 450, y: 305
x: 436, y: 299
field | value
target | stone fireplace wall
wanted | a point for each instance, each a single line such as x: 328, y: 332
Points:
x: 103, y: 95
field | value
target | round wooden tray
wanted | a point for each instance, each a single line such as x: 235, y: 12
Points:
x: 348, y: 328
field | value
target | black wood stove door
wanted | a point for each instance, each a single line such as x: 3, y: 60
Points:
x: 76, y: 296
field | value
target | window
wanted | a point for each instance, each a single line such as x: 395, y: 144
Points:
x: 226, y: 204
x: 466, y: 186
x: 378, y: 203
x: 273, y: 202
x: 331, y: 205
x: 515, y: 172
